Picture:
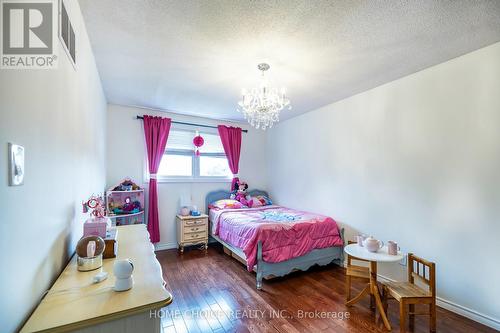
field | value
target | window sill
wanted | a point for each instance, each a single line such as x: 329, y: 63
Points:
x: 190, y: 180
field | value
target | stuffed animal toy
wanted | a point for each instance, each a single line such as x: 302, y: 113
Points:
x: 240, y: 193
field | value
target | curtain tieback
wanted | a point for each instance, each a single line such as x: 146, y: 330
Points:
x: 235, y: 175
x: 152, y: 176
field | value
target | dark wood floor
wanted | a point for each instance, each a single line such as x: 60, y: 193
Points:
x: 215, y: 293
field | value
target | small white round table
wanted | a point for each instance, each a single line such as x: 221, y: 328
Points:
x: 356, y: 251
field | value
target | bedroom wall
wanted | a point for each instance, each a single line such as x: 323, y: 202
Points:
x: 126, y: 158
x: 416, y: 161
x: 58, y: 116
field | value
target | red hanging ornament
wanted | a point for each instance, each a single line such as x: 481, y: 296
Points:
x: 198, y: 141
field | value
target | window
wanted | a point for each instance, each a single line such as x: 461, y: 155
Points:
x: 179, y: 162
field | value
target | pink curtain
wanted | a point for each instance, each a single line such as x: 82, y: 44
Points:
x: 231, y: 141
x: 156, y: 131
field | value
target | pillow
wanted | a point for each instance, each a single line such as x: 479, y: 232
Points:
x: 265, y: 201
x: 256, y: 202
x: 227, y: 204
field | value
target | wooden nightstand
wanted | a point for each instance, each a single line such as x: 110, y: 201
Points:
x: 192, y: 230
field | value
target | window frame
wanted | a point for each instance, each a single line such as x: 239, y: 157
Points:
x: 195, y: 167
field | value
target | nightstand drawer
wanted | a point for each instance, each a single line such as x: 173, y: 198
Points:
x: 195, y: 228
x: 195, y: 236
x: 195, y: 222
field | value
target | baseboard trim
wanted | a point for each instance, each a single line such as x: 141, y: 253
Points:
x: 469, y: 313
x: 459, y: 309
x: 165, y: 246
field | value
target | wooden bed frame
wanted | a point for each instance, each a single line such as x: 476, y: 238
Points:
x: 269, y: 270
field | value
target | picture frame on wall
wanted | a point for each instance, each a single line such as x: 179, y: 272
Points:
x: 67, y: 34
x: 16, y: 165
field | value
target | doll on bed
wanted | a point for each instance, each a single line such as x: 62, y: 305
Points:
x: 240, y: 193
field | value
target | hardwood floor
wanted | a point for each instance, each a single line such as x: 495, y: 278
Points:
x: 215, y: 293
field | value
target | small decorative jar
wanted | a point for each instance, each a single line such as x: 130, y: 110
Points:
x: 184, y: 211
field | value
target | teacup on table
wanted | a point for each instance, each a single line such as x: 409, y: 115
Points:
x: 392, y: 248
x: 360, y: 239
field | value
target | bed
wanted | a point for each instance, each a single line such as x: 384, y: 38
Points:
x: 273, y: 240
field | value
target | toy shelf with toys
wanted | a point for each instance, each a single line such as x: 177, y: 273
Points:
x: 125, y: 203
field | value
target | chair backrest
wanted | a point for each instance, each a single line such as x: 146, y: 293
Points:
x: 423, y: 271
x: 350, y: 258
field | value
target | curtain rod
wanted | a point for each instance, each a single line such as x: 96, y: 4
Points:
x: 192, y: 124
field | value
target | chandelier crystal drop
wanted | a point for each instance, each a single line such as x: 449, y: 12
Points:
x: 261, y: 105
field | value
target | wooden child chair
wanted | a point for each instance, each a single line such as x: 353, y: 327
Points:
x: 409, y: 293
x: 360, y: 272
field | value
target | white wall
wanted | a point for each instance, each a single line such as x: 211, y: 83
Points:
x: 59, y: 117
x: 416, y: 160
x: 126, y: 158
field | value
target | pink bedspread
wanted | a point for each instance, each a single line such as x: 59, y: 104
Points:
x: 285, y: 233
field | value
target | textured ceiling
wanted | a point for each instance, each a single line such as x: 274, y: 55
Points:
x: 193, y: 57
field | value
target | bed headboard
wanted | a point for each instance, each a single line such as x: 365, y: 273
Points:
x: 222, y: 194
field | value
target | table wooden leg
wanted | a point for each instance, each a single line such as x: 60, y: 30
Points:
x: 402, y: 316
x: 347, y: 288
x: 366, y: 290
x: 411, y: 317
x: 375, y: 292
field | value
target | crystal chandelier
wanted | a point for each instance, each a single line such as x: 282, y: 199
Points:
x: 261, y: 106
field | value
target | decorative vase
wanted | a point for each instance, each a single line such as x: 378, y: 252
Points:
x: 184, y: 211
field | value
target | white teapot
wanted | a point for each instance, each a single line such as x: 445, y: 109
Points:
x: 372, y: 244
